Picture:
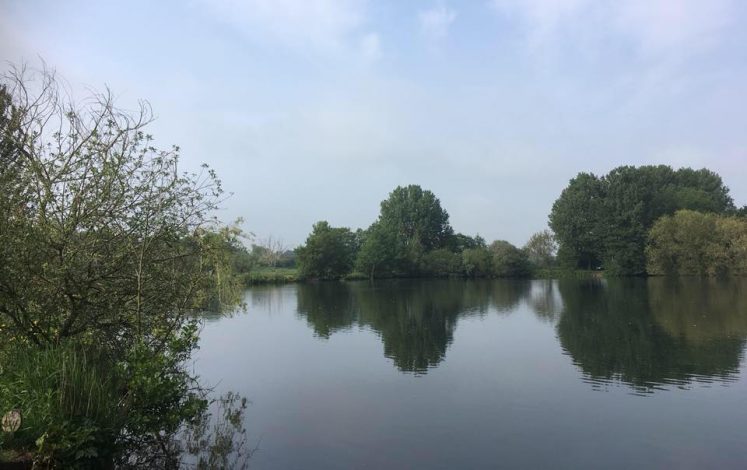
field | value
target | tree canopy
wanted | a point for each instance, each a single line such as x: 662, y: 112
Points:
x: 604, y: 221
x: 696, y: 243
x: 329, y: 252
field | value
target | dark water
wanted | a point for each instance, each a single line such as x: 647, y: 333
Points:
x: 472, y: 374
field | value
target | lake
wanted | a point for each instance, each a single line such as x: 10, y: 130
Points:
x: 484, y: 374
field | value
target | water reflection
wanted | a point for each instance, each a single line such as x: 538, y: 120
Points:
x: 652, y: 333
x: 648, y: 334
x: 415, y: 319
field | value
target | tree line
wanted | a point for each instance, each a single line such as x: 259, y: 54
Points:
x: 412, y: 237
x: 627, y: 222
x: 647, y: 220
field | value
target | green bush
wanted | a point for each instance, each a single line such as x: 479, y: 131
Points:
x: 69, y: 403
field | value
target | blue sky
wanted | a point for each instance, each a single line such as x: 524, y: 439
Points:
x: 316, y: 109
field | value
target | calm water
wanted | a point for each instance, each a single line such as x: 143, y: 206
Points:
x: 471, y: 374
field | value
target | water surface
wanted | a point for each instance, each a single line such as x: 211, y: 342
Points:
x: 486, y: 374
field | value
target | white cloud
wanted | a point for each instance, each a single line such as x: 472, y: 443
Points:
x: 321, y: 25
x: 654, y: 26
x: 663, y: 25
x: 435, y: 22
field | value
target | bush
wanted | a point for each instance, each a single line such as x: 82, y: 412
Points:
x: 441, y: 262
x: 69, y: 403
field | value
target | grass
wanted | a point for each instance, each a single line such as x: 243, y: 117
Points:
x: 267, y: 275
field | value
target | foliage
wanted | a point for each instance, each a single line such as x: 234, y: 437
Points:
x: 605, y: 221
x: 541, y: 249
x: 508, y: 261
x: 460, y: 242
x: 416, y: 216
x: 69, y: 404
x: 106, y: 252
x: 477, y: 262
x: 84, y: 409
x: 380, y: 252
x: 329, y: 252
x: 103, y: 238
x: 694, y: 243
x: 441, y: 263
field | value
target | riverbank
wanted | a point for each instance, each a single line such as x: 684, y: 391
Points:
x: 264, y: 275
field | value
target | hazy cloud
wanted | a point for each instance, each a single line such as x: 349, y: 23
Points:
x: 435, y: 22
x: 323, y: 25
x: 370, y: 47
x: 654, y: 26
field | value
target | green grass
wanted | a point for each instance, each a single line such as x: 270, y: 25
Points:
x: 266, y: 275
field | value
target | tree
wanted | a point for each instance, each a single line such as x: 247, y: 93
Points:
x: 508, y: 261
x: 460, y: 242
x: 441, y: 262
x: 576, y: 220
x: 541, y: 249
x: 329, y: 252
x: 416, y: 216
x: 695, y: 243
x: 477, y: 262
x: 102, y: 235
x: 379, y: 252
x: 605, y: 221
x: 107, y: 250
x: 270, y: 251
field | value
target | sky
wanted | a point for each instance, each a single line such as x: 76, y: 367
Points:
x: 315, y: 110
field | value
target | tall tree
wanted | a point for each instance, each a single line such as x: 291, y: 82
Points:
x: 576, y: 220
x: 605, y: 221
x: 417, y: 217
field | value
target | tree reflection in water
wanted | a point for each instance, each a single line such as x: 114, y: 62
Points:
x: 647, y: 333
x: 652, y: 333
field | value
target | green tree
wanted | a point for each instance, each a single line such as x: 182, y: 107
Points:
x: 605, y: 221
x: 416, y: 216
x: 576, y: 220
x: 541, y: 249
x: 508, y: 261
x: 107, y: 250
x: 477, y: 262
x: 103, y: 237
x: 329, y: 252
x: 441, y: 263
x: 380, y: 252
x: 695, y: 243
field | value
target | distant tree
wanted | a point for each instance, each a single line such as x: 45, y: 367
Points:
x: 508, y: 260
x: 460, y: 242
x: 576, y: 220
x: 329, y: 252
x: 477, y: 262
x: 380, y: 251
x: 416, y: 216
x: 696, y: 243
x: 541, y: 249
x: 269, y: 251
x: 605, y: 221
x: 441, y: 262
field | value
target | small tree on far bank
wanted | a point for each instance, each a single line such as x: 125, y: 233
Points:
x: 508, y: 261
x: 541, y: 249
x: 329, y: 252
